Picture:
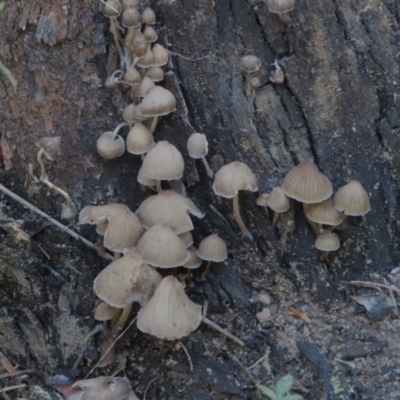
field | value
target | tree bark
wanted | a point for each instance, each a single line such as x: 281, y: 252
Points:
x: 338, y: 106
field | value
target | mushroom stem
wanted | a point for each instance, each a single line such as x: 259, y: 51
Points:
x: 158, y: 185
x: 115, y: 33
x: 221, y: 330
x: 207, y: 270
x: 276, y: 219
x: 312, y: 224
x: 121, y: 125
x: 153, y: 124
x: 248, y: 87
x: 209, y: 171
x: 238, y: 217
x: 285, y: 18
x: 116, y: 330
x: 266, y: 211
x: 69, y: 210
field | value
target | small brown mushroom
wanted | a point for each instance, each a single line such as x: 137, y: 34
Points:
x: 262, y: 201
x: 249, y: 64
x: 112, y: 9
x: 212, y: 248
x: 110, y: 145
x: 194, y: 261
x: 150, y: 34
x: 139, y: 140
x: 197, y: 147
x: 324, y: 213
x: 327, y: 242
x: 148, y: 17
x: 278, y: 202
x: 281, y: 7
x: 352, y: 199
x: 156, y: 74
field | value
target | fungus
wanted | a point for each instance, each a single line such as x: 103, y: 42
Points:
x: 229, y: 180
x: 169, y: 314
x: 143, y: 90
x: 156, y: 74
x: 147, y: 60
x: 129, y: 114
x: 212, y: 248
x: 132, y: 76
x: 148, y: 17
x: 162, y: 248
x: 197, y: 147
x: 327, y: 241
x: 262, y: 201
x: 324, y: 213
x: 168, y: 208
x: 249, y: 64
x: 151, y: 183
x: 139, y: 140
x: 281, y: 7
x: 110, y: 145
x: 194, y: 260
x: 186, y: 238
x: 139, y: 46
x: 352, y: 199
x: 104, y: 312
x: 112, y: 10
x: 254, y: 84
x: 278, y: 202
x: 158, y: 102
x: 131, y: 20
x: 160, y: 55
x: 150, y: 34
x: 49, y: 148
x: 163, y: 162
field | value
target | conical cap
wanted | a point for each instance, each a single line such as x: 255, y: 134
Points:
x: 327, y: 241
x: 278, y: 201
x: 352, y: 199
x: 212, y: 248
x: 325, y: 213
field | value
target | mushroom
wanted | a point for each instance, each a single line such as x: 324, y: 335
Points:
x: 148, y: 17
x: 229, y: 180
x: 162, y: 248
x: 139, y: 140
x: 281, y: 7
x: 352, y: 199
x: 147, y: 61
x: 132, y: 76
x: 139, y: 46
x: 158, y: 102
x: 326, y: 242
x: 249, y: 64
x: 324, y: 213
x: 110, y: 145
x: 186, y: 238
x: 123, y: 229
x: 156, y: 74
x: 160, y: 55
x: 131, y: 19
x: 168, y: 208
x: 194, y: 260
x: 278, y: 202
x: 254, y: 84
x: 150, y: 34
x: 143, y: 90
x: 262, y: 201
x: 169, y: 314
x: 212, y: 248
x: 112, y: 10
x: 197, y: 147
x: 104, y: 312
x: 130, y: 114
x: 151, y: 183
x: 163, y: 162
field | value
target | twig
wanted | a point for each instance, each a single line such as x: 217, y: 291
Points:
x: 234, y: 358
x: 222, y: 330
x: 9, y: 75
x: 187, y: 353
x: 220, y: 215
x: 31, y: 207
x: 8, y: 388
x: 10, y: 374
x: 187, y: 58
x: 147, y: 387
x: 110, y: 347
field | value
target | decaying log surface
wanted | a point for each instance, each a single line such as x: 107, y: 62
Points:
x: 339, y: 106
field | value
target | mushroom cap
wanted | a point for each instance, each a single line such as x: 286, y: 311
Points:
x: 131, y: 18
x: 145, y: 181
x: 163, y: 162
x: 139, y: 140
x: 112, y: 8
x: 213, y: 248
x: 158, y: 102
x: 250, y: 63
x: 170, y: 209
x: 278, y: 201
x: 110, y: 145
x: 102, y: 388
x: 186, y: 238
x: 129, y: 4
x: 126, y: 280
x: 104, y: 312
x: 147, y: 60
x: 156, y: 74
x: 170, y: 314
x: 197, y: 145
x: 234, y: 177
x: 262, y: 200
x: 194, y: 260
x: 130, y: 113
x: 50, y: 145
x: 139, y: 44
x: 160, y: 55
x: 280, y: 6
x: 307, y: 184
x: 148, y: 16
x: 123, y: 230
x: 352, y: 199
x: 144, y: 88
x: 325, y: 213
x: 255, y: 83
x: 150, y: 34
x: 327, y: 241
x: 162, y: 248
x: 132, y: 76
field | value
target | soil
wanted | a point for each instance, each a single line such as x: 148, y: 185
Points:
x: 338, y: 106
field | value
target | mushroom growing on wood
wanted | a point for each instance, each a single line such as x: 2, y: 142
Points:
x: 324, y: 213
x: 212, y: 248
x: 262, y: 201
x: 281, y: 7
x: 278, y: 202
x: 229, y: 180
x: 249, y: 64
x: 139, y: 140
x: 112, y: 9
x: 197, y: 147
x: 352, y: 199
x: 327, y: 241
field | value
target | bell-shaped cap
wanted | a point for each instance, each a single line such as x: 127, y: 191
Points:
x: 145, y: 181
x: 194, y: 260
x: 130, y: 4
x: 352, y: 199
x: 163, y: 162
x: 197, y: 145
x: 280, y: 6
x: 139, y: 44
x: 156, y: 74
x: 130, y: 113
x: 327, y: 241
x: 132, y: 76
x: 213, y: 248
x: 234, y: 177
x: 160, y: 55
x: 110, y: 145
x: 139, y: 140
x: 168, y: 208
x: 131, y: 18
x: 101, y: 388
x: 123, y: 229
x: 150, y: 34
x: 250, y: 63
x: 147, y: 60
x: 186, y: 238
x: 126, y: 280
x: 325, y: 213
x: 148, y: 16
x: 158, y: 102
x: 104, y: 312
x: 50, y: 145
x: 307, y: 184
x: 278, y: 201
x: 112, y: 9
x: 170, y: 314
x: 262, y: 200
x: 162, y: 248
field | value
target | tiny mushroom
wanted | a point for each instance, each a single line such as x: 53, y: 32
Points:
x: 131, y: 20
x: 229, y: 180
x: 212, y: 248
x: 249, y: 64
x: 139, y: 140
x: 324, y: 213
x: 104, y: 312
x: 186, y: 238
x: 148, y: 17
x: 262, y: 201
x: 281, y: 7
x: 352, y: 199
x: 194, y: 260
x: 160, y: 55
x: 327, y: 241
x: 112, y: 9
x: 156, y: 74
x: 150, y: 34
x: 278, y: 202
x: 110, y: 145
x: 197, y: 147
x: 169, y: 314
x: 132, y: 76
x: 163, y: 162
